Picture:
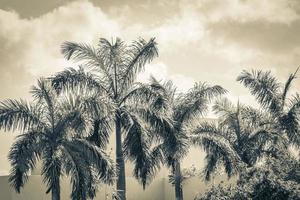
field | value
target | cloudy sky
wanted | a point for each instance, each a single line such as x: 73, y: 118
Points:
x: 199, y: 40
x: 204, y: 40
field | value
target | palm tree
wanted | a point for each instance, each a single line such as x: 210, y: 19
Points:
x: 239, y: 139
x: 52, y: 128
x: 244, y: 134
x: 273, y: 97
x: 185, y: 107
x: 113, y: 70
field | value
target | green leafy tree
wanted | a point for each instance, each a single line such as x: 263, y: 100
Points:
x: 52, y: 129
x: 113, y: 68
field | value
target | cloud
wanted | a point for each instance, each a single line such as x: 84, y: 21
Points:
x: 201, y: 40
x: 281, y: 11
x: 30, y: 47
x: 162, y: 73
x: 182, y: 29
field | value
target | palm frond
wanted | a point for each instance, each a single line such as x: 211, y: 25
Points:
x: 114, y: 57
x: 96, y: 105
x: 151, y: 103
x: 137, y: 148
x: 223, y: 107
x: 152, y: 92
x: 253, y: 117
x: 112, y: 52
x: 212, y: 161
x: 294, y: 104
x: 176, y: 146
x: 196, y: 101
x: 139, y: 54
x: 20, y: 115
x: 287, y: 86
x: 51, y: 168
x: 96, y: 157
x: 264, y: 87
x: 203, y: 90
x: 221, y: 148
x: 100, y: 132
x: 106, y: 52
x: 81, y: 175
x: 81, y: 52
x: 73, y: 78
x: 88, y: 56
x: 45, y: 95
x: 201, y: 127
x: 74, y: 121
x: 158, y: 121
x: 23, y: 156
x: 290, y: 120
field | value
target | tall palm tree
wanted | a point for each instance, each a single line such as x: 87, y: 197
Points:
x: 238, y: 140
x: 184, y: 107
x: 113, y: 69
x: 273, y: 97
x: 52, y: 128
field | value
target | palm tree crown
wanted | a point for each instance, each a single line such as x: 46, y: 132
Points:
x: 185, y: 107
x: 239, y: 138
x: 273, y: 97
x: 53, y: 128
x: 113, y: 70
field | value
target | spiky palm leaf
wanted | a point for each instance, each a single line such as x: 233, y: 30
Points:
x: 239, y: 139
x: 51, y: 125
x: 184, y: 108
x: 273, y: 97
x: 264, y: 87
x: 114, y: 67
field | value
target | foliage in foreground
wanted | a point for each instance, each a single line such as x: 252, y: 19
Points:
x: 275, y: 179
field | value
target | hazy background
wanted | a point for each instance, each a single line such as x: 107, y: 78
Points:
x: 204, y: 40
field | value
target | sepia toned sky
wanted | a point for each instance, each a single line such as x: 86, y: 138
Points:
x: 199, y: 40
x: 202, y: 40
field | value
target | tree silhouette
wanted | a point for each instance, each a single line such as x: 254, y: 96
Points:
x: 239, y: 138
x: 273, y: 97
x: 113, y: 70
x: 52, y: 128
x: 185, y: 107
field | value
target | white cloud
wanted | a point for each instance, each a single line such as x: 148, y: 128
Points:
x: 31, y: 46
x: 37, y: 41
x: 184, y: 28
x: 161, y: 72
x: 281, y: 11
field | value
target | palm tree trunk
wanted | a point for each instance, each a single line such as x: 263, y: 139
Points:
x: 55, y: 191
x: 121, y: 182
x: 178, y: 184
